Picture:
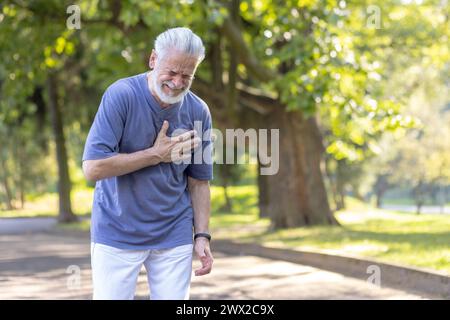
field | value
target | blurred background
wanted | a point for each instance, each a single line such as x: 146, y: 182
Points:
x: 358, y: 89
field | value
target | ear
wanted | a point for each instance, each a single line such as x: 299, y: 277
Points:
x: 152, y: 60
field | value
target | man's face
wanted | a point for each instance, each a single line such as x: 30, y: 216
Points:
x: 172, y: 75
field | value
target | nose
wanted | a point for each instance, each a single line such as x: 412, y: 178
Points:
x: 178, y: 81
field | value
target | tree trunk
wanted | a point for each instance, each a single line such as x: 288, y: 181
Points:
x: 64, y: 184
x: 330, y: 176
x: 419, y: 196
x: 6, y: 187
x: 381, y: 186
x: 340, y: 200
x: 263, y: 193
x: 21, y: 178
x: 340, y: 184
x: 40, y: 116
x: 228, y: 207
x: 297, y: 195
x: 419, y: 207
x: 379, y: 199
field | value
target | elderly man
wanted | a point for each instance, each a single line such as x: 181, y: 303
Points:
x: 149, y: 198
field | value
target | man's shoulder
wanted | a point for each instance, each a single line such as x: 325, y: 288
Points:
x: 197, y: 104
x: 124, y: 87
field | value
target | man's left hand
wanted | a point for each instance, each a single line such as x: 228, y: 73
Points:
x: 203, y: 251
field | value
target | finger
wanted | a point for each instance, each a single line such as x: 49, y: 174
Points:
x: 202, y: 271
x: 189, y: 145
x: 179, y: 155
x: 206, y: 261
x: 184, y: 136
x: 185, y: 156
x: 165, y: 126
x: 181, y: 158
x: 205, y: 269
x: 175, y: 154
x: 206, y: 264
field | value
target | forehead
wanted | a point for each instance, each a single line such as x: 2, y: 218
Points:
x: 179, y: 62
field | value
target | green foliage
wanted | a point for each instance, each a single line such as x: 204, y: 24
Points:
x: 329, y: 61
x: 419, y: 158
x: 45, y: 204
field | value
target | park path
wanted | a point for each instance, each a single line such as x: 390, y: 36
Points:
x: 42, y: 264
x: 26, y: 225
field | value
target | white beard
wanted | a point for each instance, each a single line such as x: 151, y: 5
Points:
x: 160, y: 93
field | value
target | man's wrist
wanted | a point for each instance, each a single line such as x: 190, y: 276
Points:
x: 205, y: 235
x: 153, y: 157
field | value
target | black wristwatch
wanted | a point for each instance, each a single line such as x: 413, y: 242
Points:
x: 202, y: 234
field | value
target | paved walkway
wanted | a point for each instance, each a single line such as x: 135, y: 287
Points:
x: 45, y: 265
x: 26, y: 225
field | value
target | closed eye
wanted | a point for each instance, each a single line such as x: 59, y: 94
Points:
x: 184, y: 76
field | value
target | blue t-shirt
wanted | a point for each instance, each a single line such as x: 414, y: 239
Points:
x: 149, y: 208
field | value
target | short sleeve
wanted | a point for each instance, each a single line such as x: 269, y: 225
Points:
x: 106, y: 131
x: 201, y: 166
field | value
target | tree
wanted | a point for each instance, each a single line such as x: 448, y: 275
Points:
x: 408, y: 36
x: 310, y: 69
x: 34, y: 52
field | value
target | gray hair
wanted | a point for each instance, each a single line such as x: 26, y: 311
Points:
x: 180, y: 39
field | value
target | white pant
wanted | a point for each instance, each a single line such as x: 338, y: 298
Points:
x: 115, y: 272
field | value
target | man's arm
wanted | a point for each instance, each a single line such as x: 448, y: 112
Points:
x: 165, y: 149
x: 201, y: 203
x: 119, y: 164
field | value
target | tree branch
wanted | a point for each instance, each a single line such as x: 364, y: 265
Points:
x: 234, y: 35
x: 260, y: 103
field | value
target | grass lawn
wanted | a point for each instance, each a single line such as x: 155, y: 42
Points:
x: 47, y: 205
x: 396, y: 237
x: 390, y: 236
